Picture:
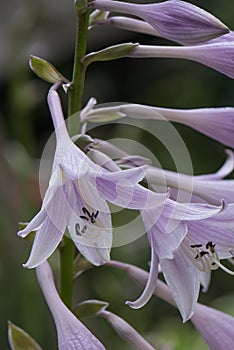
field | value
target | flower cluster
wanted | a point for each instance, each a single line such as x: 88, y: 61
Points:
x: 188, y: 238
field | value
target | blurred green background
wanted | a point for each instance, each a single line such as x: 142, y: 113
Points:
x: 47, y: 29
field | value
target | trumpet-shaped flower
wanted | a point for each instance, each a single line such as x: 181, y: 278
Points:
x: 175, y: 20
x: 217, y: 123
x: 210, y: 188
x: 167, y: 231
x: 216, y: 55
x: 72, y: 334
x: 76, y: 198
x: 199, y: 249
x: 215, y: 326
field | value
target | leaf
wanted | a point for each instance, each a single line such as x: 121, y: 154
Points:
x: 20, y: 340
x: 89, y: 308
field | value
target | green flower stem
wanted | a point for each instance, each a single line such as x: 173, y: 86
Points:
x: 79, y: 69
x: 67, y: 251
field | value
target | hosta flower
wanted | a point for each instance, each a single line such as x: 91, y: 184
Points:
x: 217, y: 123
x: 76, y: 198
x: 199, y: 250
x: 72, y: 334
x: 168, y: 238
x: 175, y: 20
x: 209, y: 188
x: 216, y: 55
x: 215, y: 326
x: 167, y: 230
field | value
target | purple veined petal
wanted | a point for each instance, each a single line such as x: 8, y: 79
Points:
x: 224, y: 219
x: 183, y: 281
x: 217, y: 123
x: 191, y: 211
x: 224, y: 171
x: 127, y: 195
x: 72, y: 334
x: 218, y: 56
x: 215, y: 327
x: 151, y: 282
x: 37, y: 221
x: 214, y: 191
x: 167, y: 234
x: 46, y: 241
x: 34, y: 224
x: 89, y: 222
x: 51, y: 231
x: 175, y: 20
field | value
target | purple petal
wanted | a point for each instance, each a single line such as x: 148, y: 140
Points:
x: 151, y: 282
x: 128, y: 195
x: 72, y: 334
x: 175, y: 20
x: 183, y: 281
x: 34, y: 224
x: 190, y: 211
x: 217, y: 56
x: 217, y: 123
x: 51, y: 231
x: 46, y: 241
x: 215, y: 327
x: 167, y: 234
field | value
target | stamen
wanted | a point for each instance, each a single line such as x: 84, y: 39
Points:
x: 224, y: 268
x: 84, y: 217
x: 196, y: 245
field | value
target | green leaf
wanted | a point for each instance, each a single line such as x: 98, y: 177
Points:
x: 89, y: 308
x: 20, y: 340
x: 46, y: 71
x: 110, y: 53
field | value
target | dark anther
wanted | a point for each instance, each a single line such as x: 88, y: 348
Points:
x: 84, y: 217
x: 77, y: 229
x: 213, y: 263
x: 196, y: 245
x: 86, y: 212
x: 84, y: 229
x: 96, y: 214
x: 211, y: 246
x: 202, y: 253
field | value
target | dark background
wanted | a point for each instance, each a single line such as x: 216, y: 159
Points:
x: 47, y: 29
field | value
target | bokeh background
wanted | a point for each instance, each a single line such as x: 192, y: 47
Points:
x: 47, y: 29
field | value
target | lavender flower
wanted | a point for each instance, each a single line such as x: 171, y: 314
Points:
x: 215, y: 326
x: 175, y: 20
x: 72, y: 334
x: 168, y: 231
x: 217, y: 55
x: 210, y: 188
x: 76, y: 198
x: 201, y: 244
x: 183, y: 248
x: 217, y: 123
